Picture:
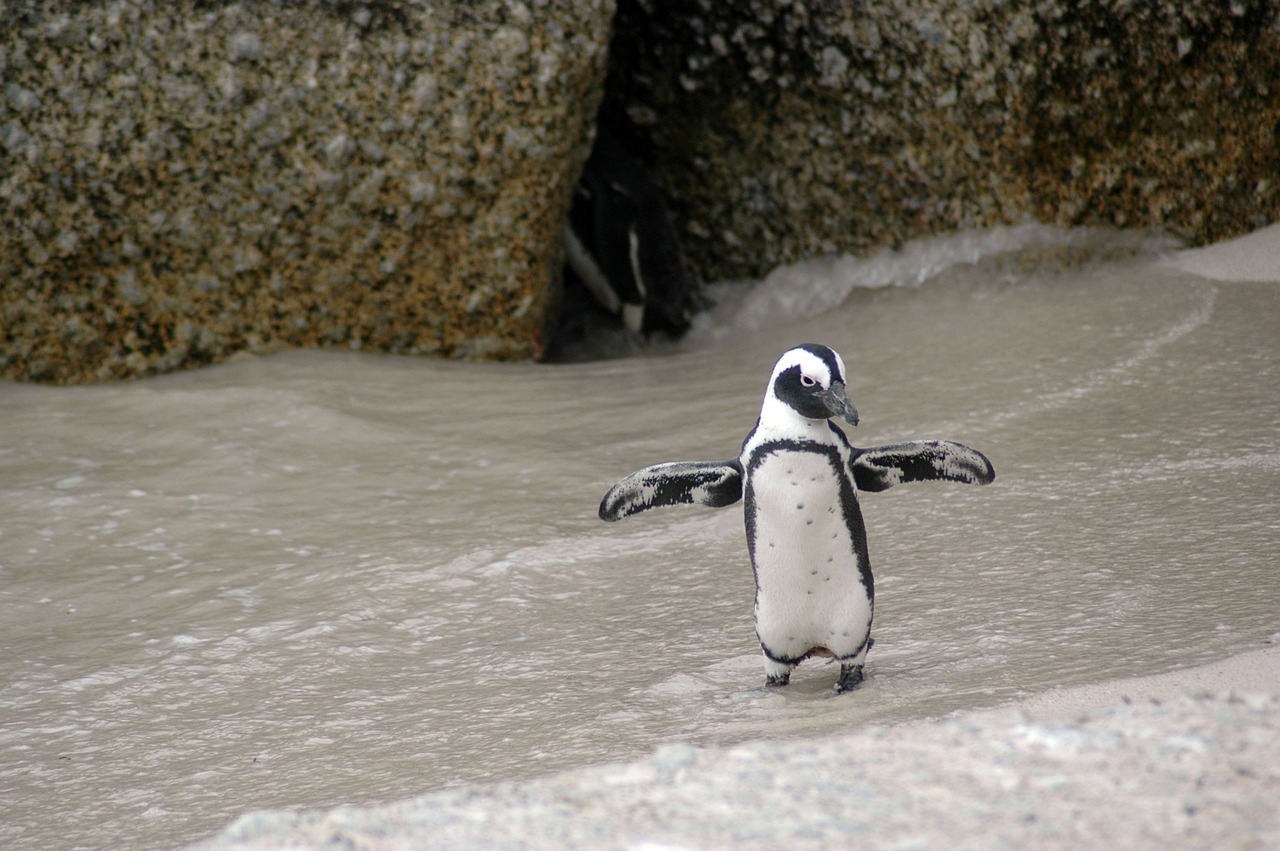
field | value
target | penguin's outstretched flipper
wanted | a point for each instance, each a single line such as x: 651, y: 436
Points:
x: 713, y: 483
x: 881, y: 467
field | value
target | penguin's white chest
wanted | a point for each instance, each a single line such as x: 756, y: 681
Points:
x: 810, y: 595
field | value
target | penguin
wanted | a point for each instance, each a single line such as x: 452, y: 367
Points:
x: 798, y: 477
x: 620, y: 243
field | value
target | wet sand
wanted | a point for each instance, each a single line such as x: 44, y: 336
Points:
x: 1189, y: 759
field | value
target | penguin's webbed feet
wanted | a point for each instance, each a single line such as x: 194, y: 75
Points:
x: 850, y: 678
x: 777, y: 680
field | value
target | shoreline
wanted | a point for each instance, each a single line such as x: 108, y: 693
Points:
x: 1253, y: 671
x: 1189, y: 757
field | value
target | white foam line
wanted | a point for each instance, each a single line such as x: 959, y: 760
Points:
x: 809, y: 288
x: 609, y: 544
x: 1161, y: 471
x: 1100, y: 378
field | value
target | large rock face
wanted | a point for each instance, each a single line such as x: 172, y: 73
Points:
x: 782, y: 130
x: 180, y: 181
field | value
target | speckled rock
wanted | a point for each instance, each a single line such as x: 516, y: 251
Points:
x: 782, y: 130
x: 182, y: 181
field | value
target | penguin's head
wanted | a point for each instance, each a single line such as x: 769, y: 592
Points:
x: 810, y: 380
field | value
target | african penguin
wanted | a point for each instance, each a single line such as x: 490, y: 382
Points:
x: 621, y: 244
x: 798, y: 477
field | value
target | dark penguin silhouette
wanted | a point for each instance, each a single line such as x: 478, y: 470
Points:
x: 621, y: 245
x: 799, y: 477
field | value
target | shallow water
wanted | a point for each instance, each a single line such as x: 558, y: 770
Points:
x: 320, y: 578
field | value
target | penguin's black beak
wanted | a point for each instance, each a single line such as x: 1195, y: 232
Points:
x: 836, y: 398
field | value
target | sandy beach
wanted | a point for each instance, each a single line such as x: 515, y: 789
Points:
x: 1188, y: 759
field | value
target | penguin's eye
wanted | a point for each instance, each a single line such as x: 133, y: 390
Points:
x: 807, y: 381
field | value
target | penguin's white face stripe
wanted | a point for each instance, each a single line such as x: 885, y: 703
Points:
x: 812, y: 368
x: 840, y: 367
x: 819, y: 363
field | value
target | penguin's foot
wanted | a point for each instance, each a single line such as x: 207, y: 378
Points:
x: 776, y: 673
x: 850, y: 678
